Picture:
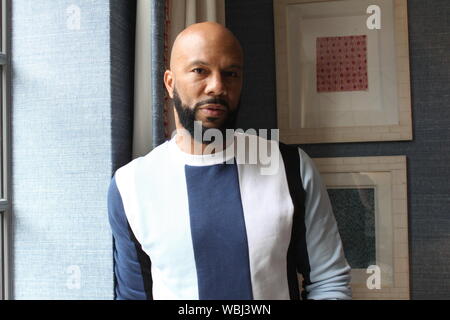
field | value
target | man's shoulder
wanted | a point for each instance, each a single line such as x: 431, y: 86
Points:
x: 297, y: 159
x: 157, y: 156
x: 263, y: 139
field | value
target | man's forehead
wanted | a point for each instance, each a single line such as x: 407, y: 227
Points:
x: 229, y: 63
x: 201, y: 41
x: 222, y: 61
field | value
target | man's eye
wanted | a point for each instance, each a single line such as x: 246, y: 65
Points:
x: 199, y: 70
x: 232, y: 74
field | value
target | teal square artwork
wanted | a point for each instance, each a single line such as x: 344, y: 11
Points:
x: 354, y: 210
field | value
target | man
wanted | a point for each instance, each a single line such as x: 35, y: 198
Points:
x: 188, y: 223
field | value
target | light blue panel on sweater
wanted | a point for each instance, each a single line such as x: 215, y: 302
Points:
x: 62, y: 163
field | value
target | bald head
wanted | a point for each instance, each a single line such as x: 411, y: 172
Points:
x: 207, y: 35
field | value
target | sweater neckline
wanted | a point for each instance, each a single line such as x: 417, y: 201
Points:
x: 201, y: 159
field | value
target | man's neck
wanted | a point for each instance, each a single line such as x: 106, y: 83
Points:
x: 189, y: 145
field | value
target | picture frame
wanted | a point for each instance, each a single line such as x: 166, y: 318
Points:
x: 313, y: 105
x: 387, y: 177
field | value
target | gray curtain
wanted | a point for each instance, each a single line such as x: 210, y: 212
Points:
x: 158, y: 68
x: 142, y: 111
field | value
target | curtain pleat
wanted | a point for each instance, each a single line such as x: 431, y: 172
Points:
x: 142, y: 123
x: 157, y: 71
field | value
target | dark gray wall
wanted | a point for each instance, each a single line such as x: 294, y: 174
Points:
x: 428, y: 154
x: 252, y: 22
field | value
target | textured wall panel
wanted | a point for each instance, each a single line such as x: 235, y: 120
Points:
x: 63, y: 155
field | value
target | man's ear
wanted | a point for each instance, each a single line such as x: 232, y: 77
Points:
x: 168, y: 81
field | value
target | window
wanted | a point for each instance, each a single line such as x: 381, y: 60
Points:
x: 5, y: 200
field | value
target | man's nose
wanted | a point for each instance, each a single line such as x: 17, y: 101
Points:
x: 215, y: 85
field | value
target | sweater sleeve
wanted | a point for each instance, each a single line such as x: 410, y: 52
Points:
x: 131, y: 265
x: 329, y: 272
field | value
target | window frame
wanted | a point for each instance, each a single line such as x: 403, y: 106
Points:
x: 5, y: 153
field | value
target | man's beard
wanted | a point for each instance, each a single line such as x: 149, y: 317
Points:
x: 187, y: 116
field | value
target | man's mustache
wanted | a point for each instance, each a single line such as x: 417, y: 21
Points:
x: 213, y: 101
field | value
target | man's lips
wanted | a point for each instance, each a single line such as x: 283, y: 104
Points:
x: 214, y: 107
x: 213, y: 110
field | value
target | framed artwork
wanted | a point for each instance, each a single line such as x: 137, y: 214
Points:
x: 369, y: 200
x: 342, y: 73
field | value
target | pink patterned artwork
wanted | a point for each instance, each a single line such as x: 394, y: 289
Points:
x: 342, y: 64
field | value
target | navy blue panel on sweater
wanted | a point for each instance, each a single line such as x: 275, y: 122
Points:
x: 218, y: 232
x: 127, y: 268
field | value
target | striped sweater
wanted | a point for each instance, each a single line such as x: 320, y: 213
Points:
x: 204, y: 227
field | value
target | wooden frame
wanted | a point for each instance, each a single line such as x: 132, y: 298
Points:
x: 387, y: 175
x: 381, y: 113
